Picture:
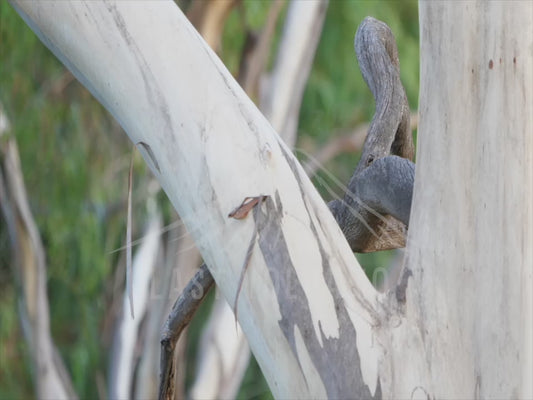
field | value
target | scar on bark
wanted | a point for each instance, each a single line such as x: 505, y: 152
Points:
x: 374, y: 212
x: 143, y: 146
x: 190, y: 299
x: 240, y: 213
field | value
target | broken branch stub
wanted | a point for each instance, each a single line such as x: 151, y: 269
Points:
x: 374, y: 197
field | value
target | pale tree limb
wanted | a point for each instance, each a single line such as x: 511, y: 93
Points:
x: 51, y: 377
x: 209, y: 18
x: 256, y: 51
x: 282, y: 96
x: 129, y: 222
x: 225, y: 353
x: 127, y: 332
x: 178, y: 265
x: 469, y: 280
x: 220, y: 359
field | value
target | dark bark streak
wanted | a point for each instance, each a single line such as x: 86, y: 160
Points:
x: 153, y: 92
x: 346, y: 379
x: 401, y: 289
x: 149, y: 154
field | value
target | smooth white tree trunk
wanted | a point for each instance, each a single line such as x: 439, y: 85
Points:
x: 459, y: 325
x: 469, y: 310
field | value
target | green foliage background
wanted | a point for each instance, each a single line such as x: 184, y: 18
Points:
x: 75, y: 157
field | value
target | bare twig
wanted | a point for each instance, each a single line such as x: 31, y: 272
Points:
x: 128, y: 238
x: 180, y: 316
x: 51, y: 377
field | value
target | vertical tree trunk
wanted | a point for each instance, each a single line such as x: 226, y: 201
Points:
x: 468, y: 310
x: 29, y: 266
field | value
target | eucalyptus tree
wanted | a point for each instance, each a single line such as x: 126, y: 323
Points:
x: 458, y: 323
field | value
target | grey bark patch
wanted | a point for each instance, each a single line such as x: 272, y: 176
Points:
x: 401, y: 289
x: 345, y: 379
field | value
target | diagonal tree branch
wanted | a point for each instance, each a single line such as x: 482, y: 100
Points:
x: 384, y: 187
x: 293, y: 61
x: 51, y: 377
x: 182, y: 312
x: 211, y: 148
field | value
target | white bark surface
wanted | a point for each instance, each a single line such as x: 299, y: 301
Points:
x: 465, y: 330
x: 128, y: 328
